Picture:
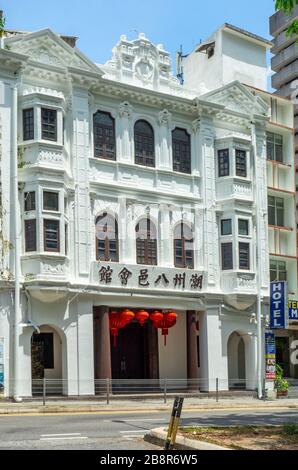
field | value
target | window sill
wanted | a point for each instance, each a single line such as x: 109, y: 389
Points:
x: 281, y: 228
x: 234, y: 178
x: 39, y: 254
x: 37, y: 142
x: 281, y: 164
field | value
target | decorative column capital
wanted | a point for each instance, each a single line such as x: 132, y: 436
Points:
x: 196, y: 125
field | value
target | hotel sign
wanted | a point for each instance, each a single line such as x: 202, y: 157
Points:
x: 279, y: 317
x: 149, y: 277
x: 293, y: 310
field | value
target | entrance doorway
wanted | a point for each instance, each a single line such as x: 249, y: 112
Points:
x: 46, y: 361
x: 283, y: 354
x: 236, y: 361
x: 135, y: 355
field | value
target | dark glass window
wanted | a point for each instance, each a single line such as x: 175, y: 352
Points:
x: 46, y: 349
x: 223, y: 163
x: 51, y: 235
x: 50, y: 201
x: 106, y: 229
x: 243, y: 227
x: 48, y: 124
x: 227, y: 256
x: 144, y: 144
x: 276, y: 211
x: 146, y: 242
x: 226, y: 227
x: 274, y: 147
x: 183, y: 247
x: 181, y: 151
x: 30, y: 235
x: 241, y: 169
x: 29, y: 201
x: 244, y: 256
x: 278, y: 270
x: 28, y: 124
x: 104, y: 136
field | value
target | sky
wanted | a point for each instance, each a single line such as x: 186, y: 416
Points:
x: 99, y: 23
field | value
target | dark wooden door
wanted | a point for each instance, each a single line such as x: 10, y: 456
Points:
x: 128, y: 357
x: 283, y: 354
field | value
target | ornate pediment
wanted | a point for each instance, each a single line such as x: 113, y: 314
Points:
x: 47, y: 48
x: 237, y: 98
x: 141, y: 63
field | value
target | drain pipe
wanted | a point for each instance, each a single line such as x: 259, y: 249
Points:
x: 258, y: 259
x: 16, y: 221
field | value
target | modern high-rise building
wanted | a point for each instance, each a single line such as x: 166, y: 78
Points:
x: 285, y: 63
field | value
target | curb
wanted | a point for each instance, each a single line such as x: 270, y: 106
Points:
x: 100, y: 408
x: 158, y: 437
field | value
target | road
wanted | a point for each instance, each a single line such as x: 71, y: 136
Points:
x: 121, y: 431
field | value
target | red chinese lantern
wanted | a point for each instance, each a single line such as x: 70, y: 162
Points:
x: 156, y: 317
x: 116, y: 322
x: 164, y: 322
x: 142, y: 316
x: 127, y: 316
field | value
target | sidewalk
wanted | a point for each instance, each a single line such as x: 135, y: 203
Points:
x: 145, y: 405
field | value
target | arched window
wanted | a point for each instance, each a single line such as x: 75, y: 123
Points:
x: 144, y: 144
x: 183, y: 246
x: 106, y: 232
x: 146, y: 242
x: 181, y: 151
x: 104, y: 136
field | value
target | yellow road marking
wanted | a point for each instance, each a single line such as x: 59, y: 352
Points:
x: 125, y: 412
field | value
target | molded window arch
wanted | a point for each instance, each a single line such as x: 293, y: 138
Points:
x: 146, y: 242
x: 183, y: 246
x: 104, y: 136
x: 144, y: 143
x: 106, y: 235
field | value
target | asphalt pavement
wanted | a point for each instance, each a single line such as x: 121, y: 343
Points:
x: 117, y: 431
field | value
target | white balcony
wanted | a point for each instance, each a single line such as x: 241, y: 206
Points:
x: 234, y: 188
x: 238, y: 282
x: 43, y: 155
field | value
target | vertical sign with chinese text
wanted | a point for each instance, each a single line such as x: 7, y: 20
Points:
x: 270, y: 355
x: 1, y: 365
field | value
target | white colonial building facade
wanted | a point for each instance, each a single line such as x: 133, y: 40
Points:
x: 123, y: 190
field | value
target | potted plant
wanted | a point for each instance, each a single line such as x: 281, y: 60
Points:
x: 281, y: 384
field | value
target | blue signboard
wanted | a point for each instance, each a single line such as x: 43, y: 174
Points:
x: 293, y: 310
x: 279, y: 317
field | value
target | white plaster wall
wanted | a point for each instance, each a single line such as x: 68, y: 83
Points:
x: 5, y: 318
x: 235, y: 58
x: 173, y: 356
x: 244, y: 61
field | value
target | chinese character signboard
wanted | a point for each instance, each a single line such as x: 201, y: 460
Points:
x: 279, y: 317
x: 148, y: 277
x: 293, y: 310
x: 270, y: 355
x: 1, y: 365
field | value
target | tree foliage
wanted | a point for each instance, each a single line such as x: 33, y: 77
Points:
x: 2, y: 25
x: 288, y: 7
